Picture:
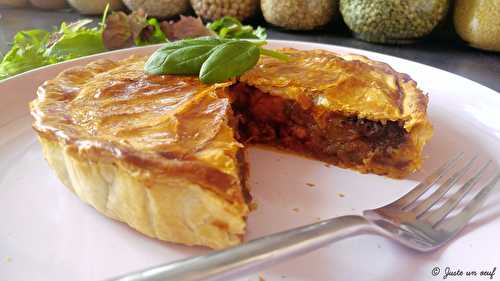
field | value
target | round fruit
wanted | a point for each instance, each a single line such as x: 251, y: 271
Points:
x: 215, y: 9
x: 298, y: 14
x: 159, y: 8
x: 48, y: 4
x: 95, y: 7
x: 392, y: 21
x: 14, y: 3
x: 478, y: 23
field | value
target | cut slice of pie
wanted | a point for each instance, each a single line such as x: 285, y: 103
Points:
x: 343, y: 109
x: 165, y: 153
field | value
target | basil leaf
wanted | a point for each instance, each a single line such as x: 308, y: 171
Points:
x: 229, y: 60
x: 193, y: 42
x: 213, y: 59
x: 274, y: 54
x: 156, y: 62
x: 187, y: 60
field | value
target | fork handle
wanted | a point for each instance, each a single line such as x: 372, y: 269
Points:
x: 254, y: 255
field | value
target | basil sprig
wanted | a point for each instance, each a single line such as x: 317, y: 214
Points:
x: 212, y: 59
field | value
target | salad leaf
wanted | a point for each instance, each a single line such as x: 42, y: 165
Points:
x: 34, y: 48
x: 20, y: 59
x: 185, y: 27
x: 75, y: 40
x: 122, y: 30
x: 151, y: 34
x: 117, y: 32
x: 230, y: 27
x: 31, y: 37
x: 26, y: 53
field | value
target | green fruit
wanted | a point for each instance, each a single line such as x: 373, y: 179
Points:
x: 298, y: 14
x: 392, y: 21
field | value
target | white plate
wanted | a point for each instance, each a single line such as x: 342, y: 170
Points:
x: 46, y: 233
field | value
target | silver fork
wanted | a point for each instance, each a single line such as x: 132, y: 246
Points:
x: 412, y: 223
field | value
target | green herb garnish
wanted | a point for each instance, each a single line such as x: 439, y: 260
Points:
x: 212, y: 59
x: 151, y: 34
x: 74, y: 40
x: 229, y: 27
x: 35, y: 48
x: 27, y: 52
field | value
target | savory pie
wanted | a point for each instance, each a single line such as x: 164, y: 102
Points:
x: 166, y: 154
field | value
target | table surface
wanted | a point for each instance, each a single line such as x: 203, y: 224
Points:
x: 442, y: 49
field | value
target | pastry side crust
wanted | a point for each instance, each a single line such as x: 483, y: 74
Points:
x: 168, y: 208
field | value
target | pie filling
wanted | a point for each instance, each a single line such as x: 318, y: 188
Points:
x: 334, y: 138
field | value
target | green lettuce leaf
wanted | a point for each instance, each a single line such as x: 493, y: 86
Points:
x: 151, y: 34
x: 26, y: 53
x: 36, y: 37
x: 34, y: 48
x: 230, y: 27
x: 75, y: 40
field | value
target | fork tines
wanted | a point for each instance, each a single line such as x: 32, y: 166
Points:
x: 422, y: 209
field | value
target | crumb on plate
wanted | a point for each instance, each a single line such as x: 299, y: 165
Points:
x: 253, y: 206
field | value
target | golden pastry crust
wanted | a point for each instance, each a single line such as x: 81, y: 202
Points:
x: 153, y: 129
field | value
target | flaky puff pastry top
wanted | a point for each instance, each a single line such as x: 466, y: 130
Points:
x: 344, y: 83
x: 157, y: 126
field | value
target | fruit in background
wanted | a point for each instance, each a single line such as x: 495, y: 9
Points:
x: 298, y: 14
x: 14, y: 3
x: 478, y: 23
x: 49, y: 4
x: 95, y: 7
x: 159, y: 8
x: 392, y: 21
x: 215, y: 9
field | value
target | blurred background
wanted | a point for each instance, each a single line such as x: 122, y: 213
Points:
x: 461, y: 36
